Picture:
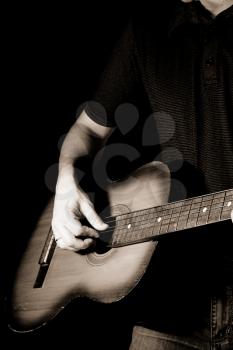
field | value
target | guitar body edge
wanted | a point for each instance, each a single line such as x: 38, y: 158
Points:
x: 102, y: 277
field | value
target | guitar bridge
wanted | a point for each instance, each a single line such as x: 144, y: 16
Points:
x: 45, y: 259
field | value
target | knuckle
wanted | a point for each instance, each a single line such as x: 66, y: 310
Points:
x: 86, y: 244
x: 77, y: 231
x: 69, y: 242
x: 61, y: 244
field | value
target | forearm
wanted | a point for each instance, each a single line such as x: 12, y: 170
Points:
x: 77, y: 144
x: 85, y: 138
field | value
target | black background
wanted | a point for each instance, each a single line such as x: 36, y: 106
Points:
x: 54, y: 56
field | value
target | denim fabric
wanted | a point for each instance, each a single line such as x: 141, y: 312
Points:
x: 216, y: 335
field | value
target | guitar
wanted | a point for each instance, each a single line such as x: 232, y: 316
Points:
x: 48, y: 278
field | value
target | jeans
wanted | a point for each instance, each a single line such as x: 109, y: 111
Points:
x: 217, y: 334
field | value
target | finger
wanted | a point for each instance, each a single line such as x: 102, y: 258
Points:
x: 86, y: 243
x: 61, y: 244
x: 66, y: 240
x: 79, y: 245
x: 78, y: 230
x: 89, y: 212
x: 63, y: 240
x: 73, y: 225
x: 88, y: 232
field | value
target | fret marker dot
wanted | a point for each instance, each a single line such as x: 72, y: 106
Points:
x: 229, y: 204
x: 129, y: 226
x: 204, y: 210
x: 159, y: 219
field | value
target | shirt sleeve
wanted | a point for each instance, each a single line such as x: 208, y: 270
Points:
x: 120, y: 82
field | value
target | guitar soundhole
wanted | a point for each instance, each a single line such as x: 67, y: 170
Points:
x: 101, y: 247
x: 103, y: 244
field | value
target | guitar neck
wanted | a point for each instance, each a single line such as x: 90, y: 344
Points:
x: 148, y: 224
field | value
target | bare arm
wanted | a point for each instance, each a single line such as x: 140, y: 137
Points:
x: 84, y: 138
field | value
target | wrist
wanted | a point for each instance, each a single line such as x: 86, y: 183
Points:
x: 65, y: 181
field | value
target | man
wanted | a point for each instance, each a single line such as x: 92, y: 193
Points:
x: 179, y: 61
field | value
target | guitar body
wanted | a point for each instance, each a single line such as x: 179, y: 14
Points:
x: 106, y: 277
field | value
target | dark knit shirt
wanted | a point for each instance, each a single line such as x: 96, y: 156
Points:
x: 174, y: 63
x: 177, y: 62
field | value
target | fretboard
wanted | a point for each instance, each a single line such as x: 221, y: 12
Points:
x: 148, y: 224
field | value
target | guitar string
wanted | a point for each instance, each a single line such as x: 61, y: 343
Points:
x: 207, y: 219
x: 168, y: 229
x: 180, y: 215
x: 161, y: 209
x: 199, y: 211
x: 212, y: 209
x: 224, y: 199
x: 124, y: 226
x: 130, y: 238
x: 224, y: 192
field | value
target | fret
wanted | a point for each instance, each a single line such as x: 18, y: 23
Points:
x: 202, y: 218
x: 227, y: 205
x: 165, y: 219
x: 128, y: 219
x: 175, y: 218
x: 157, y: 225
x: 196, y: 205
x: 229, y: 198
x: 164, y: 228
x: 226, y: 212
x: 198, y: 210
x: 229, y: 194
x: 182, y: 219
x: 195, y: 210
x: 223, y: 205
x: 215, y: 212
x: 197, y: 200
x: 136, y: 230
x: 148, y: 232
x: 191, y: 216
x: 219, y: 194
x: 173, y: 224
x: 122, y: 221
x: 135, y: 225
x: 185, y: 208
x: 176, y: 211
x: 151, y: 215
x: 218, y: 201
x: 184, y: 215
x: 207, y: 202
x: 185, y: 212
x: 192, y: 220
x: 178, y: 204
x: 170, y: 220
x: 182, y: 223
x: 204, y: 210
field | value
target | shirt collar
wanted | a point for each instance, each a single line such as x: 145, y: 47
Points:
x: 194, y: 13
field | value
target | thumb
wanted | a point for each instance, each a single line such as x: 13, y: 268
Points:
x: 93, y: 218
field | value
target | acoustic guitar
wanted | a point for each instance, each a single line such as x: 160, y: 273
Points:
x: 48, y: 277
